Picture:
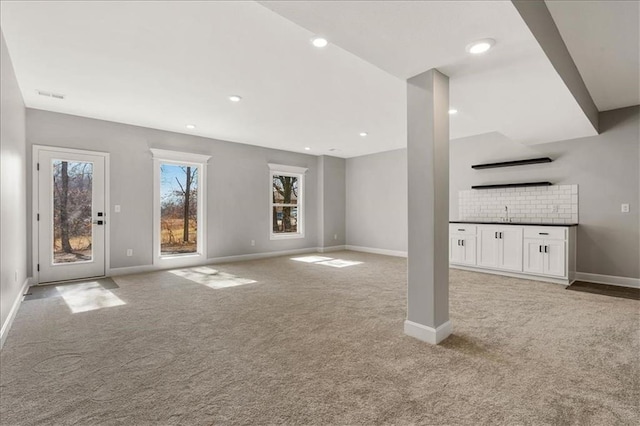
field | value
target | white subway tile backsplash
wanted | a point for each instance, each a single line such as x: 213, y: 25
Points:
x: 551, y: 204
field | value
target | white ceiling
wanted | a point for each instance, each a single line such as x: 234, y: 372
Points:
x: 167, y: 64
x: 603, y: 38
x: 512, y: 89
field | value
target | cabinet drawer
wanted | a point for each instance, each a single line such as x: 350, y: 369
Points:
x: 545, y: 232
x: 462, y: 229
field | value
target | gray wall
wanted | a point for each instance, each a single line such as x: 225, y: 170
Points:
x: 13, y: 240
x: 331, y: 201
x: 237, y: 179
x: 377, y: 200
x: 605, y: 167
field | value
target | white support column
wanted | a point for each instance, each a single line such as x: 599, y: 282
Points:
x: 428, y: 190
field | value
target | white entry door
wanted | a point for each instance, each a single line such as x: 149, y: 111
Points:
x: 70, y: 214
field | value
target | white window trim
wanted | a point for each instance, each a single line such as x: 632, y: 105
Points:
x: 299, y: 172
x: 161, y: 156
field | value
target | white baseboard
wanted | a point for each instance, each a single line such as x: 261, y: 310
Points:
x: 4, y: 331
x: 330, y: 249
x: 213, y: 260
x: 562, y: 281
x: 254, y: 256
x: 426, y: 333
x: 608, y: 279
x: 385, y: 252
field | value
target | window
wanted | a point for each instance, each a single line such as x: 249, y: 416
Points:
x: 286, y: 187
x: 179, y: 207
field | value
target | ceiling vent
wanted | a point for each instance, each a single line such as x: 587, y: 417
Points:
x: 50, y: 94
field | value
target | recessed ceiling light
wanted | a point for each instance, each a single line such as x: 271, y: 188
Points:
x: 319, y: 41
x: 190, y: 126
x: 363, y: 134
x: 306, y: 148
x: 235, y: 98
x: 480, y: 46
x: 453, y: 111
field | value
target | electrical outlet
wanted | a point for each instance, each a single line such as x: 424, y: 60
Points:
x: 253, y: 243
x: 129, y: 252
x: 624, y: 208
x: 335, y: 236
x: 116, y: 208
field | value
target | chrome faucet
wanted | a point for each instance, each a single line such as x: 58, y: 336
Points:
x: 505, y: 218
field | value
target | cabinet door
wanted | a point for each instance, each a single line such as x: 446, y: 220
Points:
x: 454, y: 249
x: 487, y: 252
x: 534, y: 256
x: 469, y: 251
x: 555, y: 258
x: 510, y: 254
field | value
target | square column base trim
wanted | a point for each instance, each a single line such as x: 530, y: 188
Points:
x: 426, y: 333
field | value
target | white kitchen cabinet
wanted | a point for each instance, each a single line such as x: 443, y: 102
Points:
x: 555, y: 259
x: 545, y: 257
x: 462, y: 249
x: 533, y: 256
x: 545, y: 253
x: 462, y: 244
x: 500, y: 247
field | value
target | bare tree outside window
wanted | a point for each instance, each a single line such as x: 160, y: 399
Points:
x: 72, y: 211
x: 178, y: 209
x: 285, y: 204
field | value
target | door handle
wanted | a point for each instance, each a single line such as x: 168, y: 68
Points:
x: 98, y: 222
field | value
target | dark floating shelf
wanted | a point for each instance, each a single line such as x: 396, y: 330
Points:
x: 511, y: 185
x: 513, y: 163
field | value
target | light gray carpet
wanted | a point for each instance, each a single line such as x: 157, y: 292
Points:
x: 313, y: 344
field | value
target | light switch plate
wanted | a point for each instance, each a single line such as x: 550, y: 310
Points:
x: 624, y: 208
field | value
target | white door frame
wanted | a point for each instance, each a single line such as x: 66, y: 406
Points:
x: 35, y: 190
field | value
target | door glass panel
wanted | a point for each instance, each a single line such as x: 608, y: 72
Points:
x: 178, y: 209
x: 72, y: 211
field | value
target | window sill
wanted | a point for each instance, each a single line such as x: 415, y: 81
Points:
x: 291, y: 236
x: 180, y: 261
x: 180, y: 256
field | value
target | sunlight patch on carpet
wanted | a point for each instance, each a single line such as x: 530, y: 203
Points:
x: 311, y: 259
x: 339, y: 263
x: 327, y: 261
x: 211, y: 278
x: 88, y: 297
